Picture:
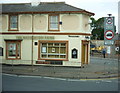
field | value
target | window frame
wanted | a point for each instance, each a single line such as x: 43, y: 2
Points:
x: 12, y: 29
x: 46, y: 41
x: 13, y: 42
x: 49, y: 22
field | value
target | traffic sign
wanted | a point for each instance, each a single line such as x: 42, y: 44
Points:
x: 109, y: 30
x: 117, y: 49
x: 109, y: 20
x: 109, y: 34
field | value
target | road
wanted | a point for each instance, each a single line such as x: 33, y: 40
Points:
x: 37, y: 83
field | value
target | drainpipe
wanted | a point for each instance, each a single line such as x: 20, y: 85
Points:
x: 32, y: 39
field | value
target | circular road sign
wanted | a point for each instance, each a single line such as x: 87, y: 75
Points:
x: 109, y: 20
x: 117, y: 49
x: 109, y: 34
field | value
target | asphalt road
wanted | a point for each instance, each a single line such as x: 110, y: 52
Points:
x: 31, y: 83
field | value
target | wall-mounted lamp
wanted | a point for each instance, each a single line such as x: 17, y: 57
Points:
x: 90, y: 21
x: 60, y: 22
x: 87, y: 24
x: 87, y: 37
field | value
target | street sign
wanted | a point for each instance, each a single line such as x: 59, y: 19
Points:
x: 109, y: 34
x: 108, y: 42
x: 117, y: 49
x: 108, y: 30
x: 109, y: 20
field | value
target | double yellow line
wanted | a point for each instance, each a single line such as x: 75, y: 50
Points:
x: 101, y: 78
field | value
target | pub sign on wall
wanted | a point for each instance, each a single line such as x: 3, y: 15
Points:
x: 74, y: 53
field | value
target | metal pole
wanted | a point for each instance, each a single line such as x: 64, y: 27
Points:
x: 12, y: 65
x: 54, y: 67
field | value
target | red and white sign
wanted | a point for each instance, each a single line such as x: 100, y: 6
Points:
x: 109, y: 34
x: 109, y: 20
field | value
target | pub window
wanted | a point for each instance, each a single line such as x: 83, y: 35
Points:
x: 53, y: 22
x: 13, y: 49
x: 1, y: 51
x: 53, y: 50
x: 13, y: 22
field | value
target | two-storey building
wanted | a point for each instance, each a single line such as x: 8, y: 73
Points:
x: 47, y: 33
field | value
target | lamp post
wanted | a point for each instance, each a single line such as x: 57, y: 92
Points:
x: 109, y: 15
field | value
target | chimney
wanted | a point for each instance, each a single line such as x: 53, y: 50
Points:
x: 35, y: 2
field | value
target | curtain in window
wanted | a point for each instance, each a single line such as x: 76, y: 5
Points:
x: 53, y: 22
x: 13, y: 22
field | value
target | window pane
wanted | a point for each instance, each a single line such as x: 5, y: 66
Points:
x: 54, y: 50
x: 12, y: 53
x: 13, y: 21
x: 54, y: 26
x: 18, y: 52
x: 11, y: 49
x: 1, y: 51
x: 53, y: 22
x: 11, y: 46
x: 54, y: 19
x: 13, y: 25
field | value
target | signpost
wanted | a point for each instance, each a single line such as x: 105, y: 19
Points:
x: 109, y: 31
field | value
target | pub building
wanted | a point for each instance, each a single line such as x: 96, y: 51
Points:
x: 45, y: 33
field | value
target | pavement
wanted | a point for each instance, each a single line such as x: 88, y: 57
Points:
x: 99, y: 68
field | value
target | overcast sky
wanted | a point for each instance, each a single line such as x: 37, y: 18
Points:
x: 100, y: 7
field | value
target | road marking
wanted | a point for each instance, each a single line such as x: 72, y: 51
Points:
x: 97, y: 82
x: 60, y: 79
x: 102, y: 79
x: 54, y: 78
x: 30, y: 76
x: 74, y: 80
x: 48, y: 77
x: 108, y: 81
x: 9, y: 74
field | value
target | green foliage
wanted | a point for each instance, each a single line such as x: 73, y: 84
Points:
x: 98, y: 29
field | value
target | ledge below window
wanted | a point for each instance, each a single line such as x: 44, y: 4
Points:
x: 54, y: 30
x: 13, y: 30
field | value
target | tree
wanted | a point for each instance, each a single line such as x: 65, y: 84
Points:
x: 97, y: 29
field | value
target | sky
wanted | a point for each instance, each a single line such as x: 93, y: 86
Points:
x: 101, y: 8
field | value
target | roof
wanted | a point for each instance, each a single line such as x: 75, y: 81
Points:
x: 43, y: 7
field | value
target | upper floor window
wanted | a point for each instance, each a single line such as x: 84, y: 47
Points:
x: 53, y: 22
x: 13, y: 22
